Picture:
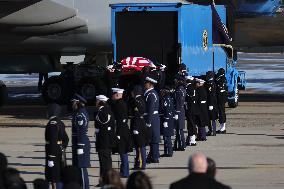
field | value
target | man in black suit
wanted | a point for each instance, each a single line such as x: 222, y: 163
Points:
x: 197, y: 178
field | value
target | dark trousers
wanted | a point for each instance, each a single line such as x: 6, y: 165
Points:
x: 221, y: 107
x: 124, y: 165
x: 140, y: 159
x: 201, y: 133
x: 180, y: 139
x: 105, y: 161
x: 191, y: 125
x: 154, y: 151
x: 168, y: 145
x: 84, y: 178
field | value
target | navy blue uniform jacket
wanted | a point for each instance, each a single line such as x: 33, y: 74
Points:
x: 152, y: 117
x: 80, y: 139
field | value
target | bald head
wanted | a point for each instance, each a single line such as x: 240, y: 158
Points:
x: 197, y: 163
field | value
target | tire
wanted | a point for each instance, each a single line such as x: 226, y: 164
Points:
x: 52, y: 91
x: 3, y: 93
x: 87, y: 89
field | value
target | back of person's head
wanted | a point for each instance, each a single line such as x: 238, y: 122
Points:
x: 138, y: 180
x: 72, y: 185
x: 197, y: 163
x: 211, y: 168
x: 40, y: 184
x: 70, y: 174
x: 3, y: 162
x: 12, y: 179
x: 53, y: 109
x: 113, y: 179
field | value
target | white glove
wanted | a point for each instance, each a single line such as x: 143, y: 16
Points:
x: 97, y: 131
x: 165, y: 124
x: 80, y: 151
x: 50, y: 164
x: 109, y: 128
x: 210, y: 108
x: 148, y: 125
x: 118, y: 137
x: 176, y: 117
x: 135, y: 132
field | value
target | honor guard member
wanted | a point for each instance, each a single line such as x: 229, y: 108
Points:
x: 106, y: 139
x: 120, y: 112
x: 152, y: 117
x: 80, y: 140
x: 203, y: 120
x: 56, y: 140
x: 212, y: 103
x: 182, y: 70
x: 138, y: 127
x: 161, y: 77
x: 179, y: 101
x: 192, y: 110
x: 167, y: 120
x: 222, y: 96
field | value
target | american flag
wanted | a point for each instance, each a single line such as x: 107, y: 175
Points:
x: 136, y: 63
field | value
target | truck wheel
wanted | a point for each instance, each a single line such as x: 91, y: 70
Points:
x: 3, y: 93
x: 234, y: 102
x: 52, y: 90
x: 87, y: 88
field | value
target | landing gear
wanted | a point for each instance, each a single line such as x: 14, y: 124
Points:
x: 52, y: 90
x: 87, y: 88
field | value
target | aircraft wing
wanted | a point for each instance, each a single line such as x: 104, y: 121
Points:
x: 37, y: 17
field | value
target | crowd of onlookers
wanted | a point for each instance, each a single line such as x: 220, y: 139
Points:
x: 202, y: 173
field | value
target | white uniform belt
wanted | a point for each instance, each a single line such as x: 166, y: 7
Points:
x: 222, y: 91
x: 155, y: 112
x: 203, y: 102
x: 58, y: 142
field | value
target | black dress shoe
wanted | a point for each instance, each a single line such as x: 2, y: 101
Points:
x: 155, y: 161
x: 180, y: 149
x: 209, y: 133
x: 166, y: 155
x: 221, y: 132
x: 192, y: 144
x: 99, y: 185
x: 201, y: 139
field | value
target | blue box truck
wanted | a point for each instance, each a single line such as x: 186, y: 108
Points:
x: 171, y: 34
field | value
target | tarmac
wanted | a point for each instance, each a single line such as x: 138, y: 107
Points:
x: 249, y: 156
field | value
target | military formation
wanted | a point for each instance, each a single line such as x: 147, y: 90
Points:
x: 127, y: 121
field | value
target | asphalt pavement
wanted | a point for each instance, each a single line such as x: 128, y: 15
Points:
x: 249, y: 156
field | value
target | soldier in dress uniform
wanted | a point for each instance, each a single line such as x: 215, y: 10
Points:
x: 56, y: 141
x: 192, y: 110
x: 80, y: 140
x: 222, y: 96
x: 182, y: 70
x: 106, y: 139
x: 152, y: 117
x: 167, y: 120
x: 179, y: 101
x: 138, y: 127
x: 203, y: 120
x: 125, y: 144
x: 212, y: 103
x: 161, y: 77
